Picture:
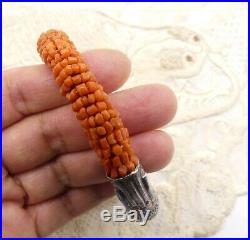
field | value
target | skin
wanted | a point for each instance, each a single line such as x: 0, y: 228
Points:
x: 45, y: 181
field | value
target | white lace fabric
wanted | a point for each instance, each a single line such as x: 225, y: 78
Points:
x: 197, y: 49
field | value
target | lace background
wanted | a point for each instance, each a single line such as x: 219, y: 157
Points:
x: 200, y: 51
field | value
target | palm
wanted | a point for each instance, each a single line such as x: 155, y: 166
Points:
x: 49, y: 173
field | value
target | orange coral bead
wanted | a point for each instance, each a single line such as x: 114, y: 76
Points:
x: 106, y: 153
x: 92, y: 121
x: 105, y: 115
x: 92, y: 109
x: 85, y: 123
x: 114, y: 173
x: 76, y: 79
x: 108, y: 126
x: 101, y: 131
x: 83, y: 67
x: 101, y: 106
x: 68, y: 82
x: 116, y: 162
x: 134, y: 160
x: 116, y: 122
x: 57, y: 69
x: 82, y: 89
x: 85, y: 76
x: 65, y: 53
x: 82, y: 114
x: 73, y: 95
x: 63, y: 74
x: 112, y: 113
x: 98, y: 95
x: 59, y: 80
x: 130, y: 166
x: 77, y: 105
x: 72, y: 60
x: 75, y: 68
x: 124, y: 132
x: 118, y: 136
x: 68, y: 70
x: 117, y: 149
x: 85, y: 101
x: 99, y: 119
x: 91, y: 98
x: 104, y: 143
x: 64, y: 90
x: 92, y: 86
x: 109, y: 104
x: 93, y: 134
x: 64, y: 63
x: 125, y: 157
x: 122, y: 170
x: 127, y: 147
x: 111, y: 139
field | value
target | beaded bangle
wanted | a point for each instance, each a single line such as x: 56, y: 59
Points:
x: 100, y: 121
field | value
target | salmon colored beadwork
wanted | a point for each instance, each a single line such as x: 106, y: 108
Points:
x: 102, y: 123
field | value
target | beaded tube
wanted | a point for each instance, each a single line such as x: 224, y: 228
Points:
x: 100, y: 121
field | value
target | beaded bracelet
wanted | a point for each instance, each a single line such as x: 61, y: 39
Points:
x: 100, y: 121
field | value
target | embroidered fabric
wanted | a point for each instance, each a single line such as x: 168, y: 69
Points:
x: 200, y: 51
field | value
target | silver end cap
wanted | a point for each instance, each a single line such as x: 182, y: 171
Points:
x: 135, y: 193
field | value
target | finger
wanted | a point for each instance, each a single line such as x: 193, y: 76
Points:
x: 154, y: 149
x: 28, y: 90
x: 50, y: 215
x: 41, y: 137
x: 11, y: 191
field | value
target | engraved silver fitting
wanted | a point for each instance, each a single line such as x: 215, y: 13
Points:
x: 135, y: 193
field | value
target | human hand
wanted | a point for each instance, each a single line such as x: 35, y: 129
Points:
x: 49, y: 174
